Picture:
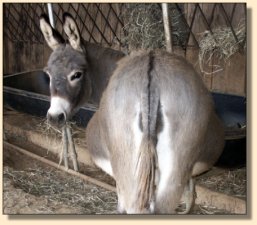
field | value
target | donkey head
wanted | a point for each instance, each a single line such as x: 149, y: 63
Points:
x: 67, y: 68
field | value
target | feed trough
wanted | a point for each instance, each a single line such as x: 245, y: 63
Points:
x: 29, y: 92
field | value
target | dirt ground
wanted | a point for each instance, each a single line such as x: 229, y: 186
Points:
x: 31, y: 187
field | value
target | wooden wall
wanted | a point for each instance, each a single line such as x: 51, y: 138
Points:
x: 24, y: 55
x: 232, y: 78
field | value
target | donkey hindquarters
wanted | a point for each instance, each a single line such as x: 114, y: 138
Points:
x: 150, y: 129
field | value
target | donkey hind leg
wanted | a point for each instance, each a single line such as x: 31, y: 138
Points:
x: 170, y: 175
x: 120, y: 206
x: 189, y: 196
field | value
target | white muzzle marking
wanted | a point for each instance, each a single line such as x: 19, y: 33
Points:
x: 59, y: 105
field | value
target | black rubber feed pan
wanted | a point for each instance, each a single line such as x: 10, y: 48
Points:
x: 29, y: 92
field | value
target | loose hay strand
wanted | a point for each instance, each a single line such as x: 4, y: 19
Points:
x: 221, y: 43
x: 232, y: 183
x: 68, y: 190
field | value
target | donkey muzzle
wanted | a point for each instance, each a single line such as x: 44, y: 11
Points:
x: 57, y: 120
x: 58, y: 111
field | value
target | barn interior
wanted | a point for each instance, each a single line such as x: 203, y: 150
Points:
x: 211, y: 36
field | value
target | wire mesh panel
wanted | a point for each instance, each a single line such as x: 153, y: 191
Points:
x: 21, y: 22
x: 208, y: 35
x: 98, y: 23
x: 107, y: 24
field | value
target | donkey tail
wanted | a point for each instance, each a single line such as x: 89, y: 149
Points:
x: 147, y: 157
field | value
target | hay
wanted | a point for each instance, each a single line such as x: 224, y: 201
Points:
x: 79, y: 137
x: 65, y: 190
x: 52, y: 133
x: 231, y: 182
x: 222, y: 44
x: 88, y: 198
x: 144, y: 26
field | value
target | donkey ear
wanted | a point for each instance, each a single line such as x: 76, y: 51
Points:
x: 52, y: 37
x: 71, y: 29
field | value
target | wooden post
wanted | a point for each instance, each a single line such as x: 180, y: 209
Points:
x: 167, y: 28
x: 65, y: 147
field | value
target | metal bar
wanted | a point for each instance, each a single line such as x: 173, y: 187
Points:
x: 50, y: 14
x: 167, y: 29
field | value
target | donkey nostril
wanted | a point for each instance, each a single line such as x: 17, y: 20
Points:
x: 61, y: 117
x: 57, y: 120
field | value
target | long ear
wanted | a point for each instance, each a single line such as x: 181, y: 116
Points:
x: 52, y: 37
x: 71, y: 29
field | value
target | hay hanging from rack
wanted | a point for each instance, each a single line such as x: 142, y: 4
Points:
x: 144, y: 29
x: 221, y: 43
x: 143, y: 26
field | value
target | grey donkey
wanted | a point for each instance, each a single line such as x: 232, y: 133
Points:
x: 79, y: 71
x: 155, y: 129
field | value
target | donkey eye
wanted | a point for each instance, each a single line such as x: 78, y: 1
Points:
x: 75, y: 76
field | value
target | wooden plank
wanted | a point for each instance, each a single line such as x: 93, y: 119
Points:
x: 199, y: 24
x: 232, y: 79
x: 218, y: 78
x: 192, y: 57
x: 239, y: 14
x: 23, y: 56
x: 220, y: 200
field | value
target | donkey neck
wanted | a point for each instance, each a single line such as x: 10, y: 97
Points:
x: 102, y: 62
